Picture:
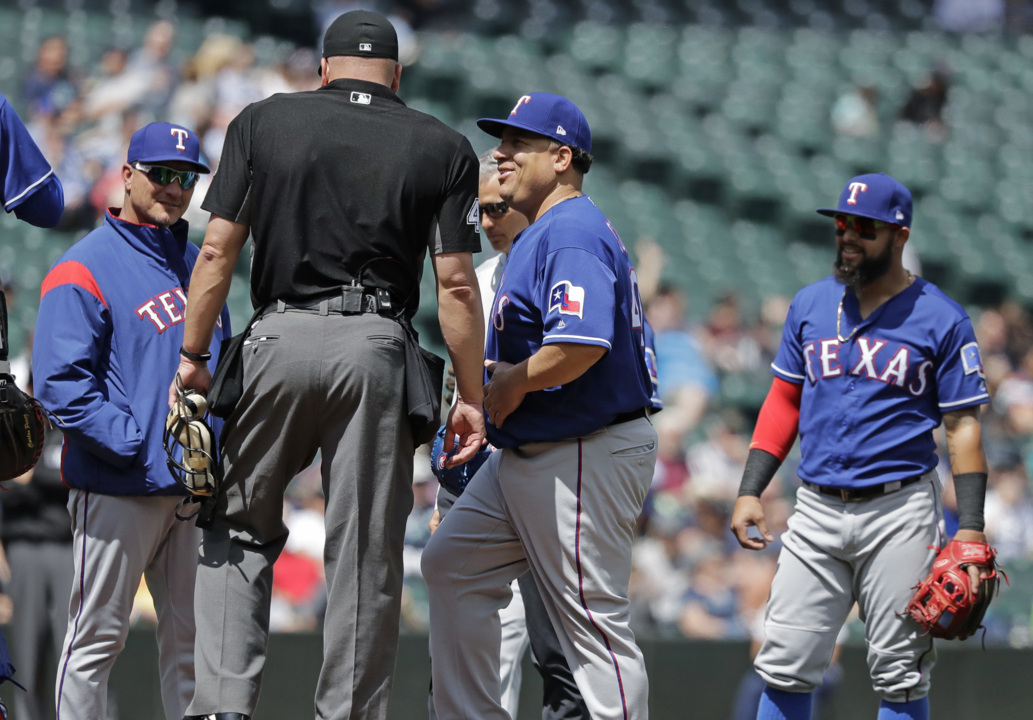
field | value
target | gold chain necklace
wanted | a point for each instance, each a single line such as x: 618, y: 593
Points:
x: 839, y: 313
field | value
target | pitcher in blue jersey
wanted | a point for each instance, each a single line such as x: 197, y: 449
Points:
x: 872, y: 360
x: 567, y: 400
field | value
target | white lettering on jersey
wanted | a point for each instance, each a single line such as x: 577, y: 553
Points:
x: 829, y: 357
x: 170, y: 307
x: 497, y: 320
x: 808, y: 354
x: 917, y: 387
x: 855, y: 188
x: 474, y: 216
x: 152, y: 315
x: 896, y: 371
x: 867, y: 363
x: 636, y: 303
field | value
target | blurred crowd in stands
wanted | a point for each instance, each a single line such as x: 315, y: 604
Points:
x: 690, y: 579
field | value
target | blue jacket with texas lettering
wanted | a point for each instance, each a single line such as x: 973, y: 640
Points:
x: 106, y: 347
x: 874, y: 389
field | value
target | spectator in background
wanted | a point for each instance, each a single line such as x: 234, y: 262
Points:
x: 726, y: 343
x: 1009, y: 514
x: 49, y: 83
x: 687, y: 383
x: 152, y: 68
x: 925, y: 104
x: 969, y: 16
x: 856, y: 113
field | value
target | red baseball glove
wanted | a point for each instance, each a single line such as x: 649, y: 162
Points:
x: 943, y: 604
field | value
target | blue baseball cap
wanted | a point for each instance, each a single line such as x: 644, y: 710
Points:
x: 876, y: 196
x: 160, y: 142
x: 546, y: 114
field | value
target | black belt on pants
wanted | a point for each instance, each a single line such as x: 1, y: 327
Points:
x: 862, y: 493
x: 629, y: 416
x: 347, y: 301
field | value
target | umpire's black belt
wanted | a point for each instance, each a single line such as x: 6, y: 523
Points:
x: 346, y: 301
x: 861, y: 493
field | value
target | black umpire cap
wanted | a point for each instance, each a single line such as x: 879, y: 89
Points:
x: 361, y: 33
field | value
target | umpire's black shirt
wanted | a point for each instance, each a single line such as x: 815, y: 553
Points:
x: 330, y: 179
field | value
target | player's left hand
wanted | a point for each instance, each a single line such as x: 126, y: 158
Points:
x: 194, y: 377
x: 504, y: 391
x: 976, y: 573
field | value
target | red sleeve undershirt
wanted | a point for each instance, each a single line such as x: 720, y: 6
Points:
x: 779, y: 419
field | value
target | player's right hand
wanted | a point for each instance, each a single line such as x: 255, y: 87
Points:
x: 747, y: 513
x: 466, y: 420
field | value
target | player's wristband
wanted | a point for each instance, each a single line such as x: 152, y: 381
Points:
x: 761, y: 466
x: 970, y: 491
x: 195, y: 357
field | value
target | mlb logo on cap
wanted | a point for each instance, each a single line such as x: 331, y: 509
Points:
x: 876, y: 196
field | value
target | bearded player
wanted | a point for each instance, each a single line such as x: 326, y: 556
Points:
x: 872, y: 360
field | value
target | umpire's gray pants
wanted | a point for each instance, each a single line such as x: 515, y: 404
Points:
x: 312, y: 382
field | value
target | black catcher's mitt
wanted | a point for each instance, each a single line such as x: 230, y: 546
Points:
x: 22, y: 425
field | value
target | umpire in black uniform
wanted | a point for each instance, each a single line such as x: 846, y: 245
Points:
x: 340, y: 184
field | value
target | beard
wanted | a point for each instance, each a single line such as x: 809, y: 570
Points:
x: 864, y: 272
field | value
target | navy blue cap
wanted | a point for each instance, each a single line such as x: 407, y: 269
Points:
x: 876, y: 196
x: 162, y: 142
x: 546, y: 114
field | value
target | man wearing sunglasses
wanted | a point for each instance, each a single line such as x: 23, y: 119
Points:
x: 872, y: 360
x: 108, y: 335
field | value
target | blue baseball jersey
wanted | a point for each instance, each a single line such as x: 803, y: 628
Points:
x: 568, y: 279
x: 870, y: 404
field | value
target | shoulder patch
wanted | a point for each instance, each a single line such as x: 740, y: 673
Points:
x: 567, y: 298
x: 970, y: 359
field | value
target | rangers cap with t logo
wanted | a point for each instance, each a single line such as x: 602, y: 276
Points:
x: 162, y: 142
x: 876, y: 196
x: 546, y: 114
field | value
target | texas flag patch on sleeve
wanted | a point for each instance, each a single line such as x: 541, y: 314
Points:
x: 567, y: 298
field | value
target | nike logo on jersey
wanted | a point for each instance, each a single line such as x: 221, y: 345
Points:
x: 878, y: 361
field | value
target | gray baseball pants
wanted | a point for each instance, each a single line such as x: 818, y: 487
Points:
x: 333, y: 383
x: 566, y: 510
x: 835, y: 553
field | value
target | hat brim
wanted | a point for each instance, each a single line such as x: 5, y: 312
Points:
x: 832, y: 212
x: 198, y: 167
x: 495, y: 128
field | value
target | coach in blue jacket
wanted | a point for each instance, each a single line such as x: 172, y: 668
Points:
x: 108, y: 334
